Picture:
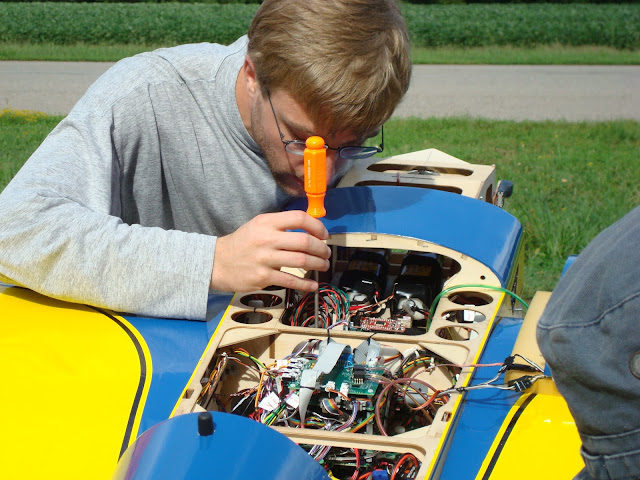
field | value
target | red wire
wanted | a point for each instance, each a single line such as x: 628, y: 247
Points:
x: 406, y: 456
x: 355, y: 474
x: 387, y: 387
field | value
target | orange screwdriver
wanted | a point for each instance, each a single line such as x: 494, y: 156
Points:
x: 315, y: 175
x: 315, y: 186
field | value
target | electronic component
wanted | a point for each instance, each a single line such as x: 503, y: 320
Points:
x: 333, y: 308
x: 354, y: 463
x: 419, y: 282
x: 365, y: 277
x: 358, y: 302
x: 375, y: 324
x: 359, y: 373
x: 329, y: 386
x: 323, y: 378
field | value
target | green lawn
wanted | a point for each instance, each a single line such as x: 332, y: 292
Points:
x: 20, y: 134
x: 496, y: 55
x: 571, y: 179
x: 540, y: 55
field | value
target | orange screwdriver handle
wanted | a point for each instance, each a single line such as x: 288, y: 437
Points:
x: 315, y: 175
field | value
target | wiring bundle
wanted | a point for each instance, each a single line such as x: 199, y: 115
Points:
x: 372, y: 389
x: 325, y: 385
x: 362, y: 300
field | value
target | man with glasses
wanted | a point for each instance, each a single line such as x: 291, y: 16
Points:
x: 168, y: 178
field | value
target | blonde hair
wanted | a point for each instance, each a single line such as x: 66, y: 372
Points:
x: 346, y: 61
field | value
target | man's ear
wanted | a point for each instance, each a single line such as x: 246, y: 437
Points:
x: 251, y: 80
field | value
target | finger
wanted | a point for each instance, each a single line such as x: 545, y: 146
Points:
x: 299, y: 220
x: 301, y: 242
x: 294, y: 282
x: 283, y: 258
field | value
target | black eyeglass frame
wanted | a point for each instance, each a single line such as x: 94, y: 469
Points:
x: 364, y: 152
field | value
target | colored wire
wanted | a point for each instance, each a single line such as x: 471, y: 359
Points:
x: 399, y: 355
x: 330, y: 406
x: 259, y: 388
x: 338, y: 393
x: 214, y: 377
x: 406, y: 457
x: 530, y: 362
x: 355, y: 474
x: 368, y: 308
x: 242, y: 352
x: 333, y: 307
x: 274, y: 415
x: 444, y: 292
x: 363, y: 423
x: 487, y: 384
x: 390, y: 385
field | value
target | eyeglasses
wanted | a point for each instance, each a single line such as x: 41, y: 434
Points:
x: 348, y: 152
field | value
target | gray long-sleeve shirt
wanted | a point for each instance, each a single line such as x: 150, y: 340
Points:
x: 121, y: 205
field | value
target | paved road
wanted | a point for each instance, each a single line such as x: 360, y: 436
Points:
x: 500, y: 92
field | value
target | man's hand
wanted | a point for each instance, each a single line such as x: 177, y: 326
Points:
x: 251, y: 257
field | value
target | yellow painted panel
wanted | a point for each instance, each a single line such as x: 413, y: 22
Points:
x: 543, y: 442
x: 71, y: 378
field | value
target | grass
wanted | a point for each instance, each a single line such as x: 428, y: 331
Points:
x: 21, y: 132
x: 80, y: 52
x: 571, y: 179
x: 539, y: 55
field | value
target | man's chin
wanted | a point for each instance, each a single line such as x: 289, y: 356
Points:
x: 291, y: 185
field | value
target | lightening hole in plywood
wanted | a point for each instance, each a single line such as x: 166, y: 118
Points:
x: 271, y: 288
x: 417, y: 169
x: 464, y: 316
x: 459, y: 334
x: 261, y: 300
x: 470, y: 298
x: 251, y: 318
x: 445, y: 188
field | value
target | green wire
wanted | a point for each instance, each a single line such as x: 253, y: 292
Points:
x: 489, y: 287
x: 328, y: 294
x: 274, y: 415
x: 364, y: 422
x: 250, y: 357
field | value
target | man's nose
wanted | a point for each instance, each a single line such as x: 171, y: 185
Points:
x: 333, y: 161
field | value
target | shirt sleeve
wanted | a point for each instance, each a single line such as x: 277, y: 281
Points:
x: 60, y: 233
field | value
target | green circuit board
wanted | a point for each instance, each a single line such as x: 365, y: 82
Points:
x: 357, y: 377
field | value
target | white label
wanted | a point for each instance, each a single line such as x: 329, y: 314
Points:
x: 270, y: 402
x: 293, y: 400
x: 282, y: 363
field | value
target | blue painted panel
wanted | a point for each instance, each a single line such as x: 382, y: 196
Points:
x: 483, y: 411
x: 239, y: 448
x: 175, y: 346
x: 568, y: 263
x: 472, y: 227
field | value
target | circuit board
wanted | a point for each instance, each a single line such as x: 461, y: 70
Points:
x: 346, y: 377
